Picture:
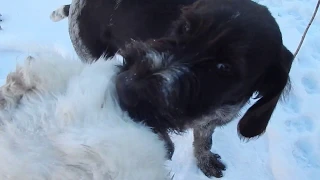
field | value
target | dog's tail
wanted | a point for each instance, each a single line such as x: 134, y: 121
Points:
x: 60, y: 13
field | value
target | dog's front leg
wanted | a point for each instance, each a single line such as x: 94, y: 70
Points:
x: 208, y: 162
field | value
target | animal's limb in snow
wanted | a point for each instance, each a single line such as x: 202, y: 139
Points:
x: 60, y: 13
x: 37, y: 73
x: 14, y: 88
x: 208, y: 162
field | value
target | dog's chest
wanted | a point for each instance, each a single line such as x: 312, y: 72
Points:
x: 218, y: 116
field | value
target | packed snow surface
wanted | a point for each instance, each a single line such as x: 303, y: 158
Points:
x: 289, y: 150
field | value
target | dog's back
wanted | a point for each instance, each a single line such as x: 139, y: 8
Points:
x: 100, y: 27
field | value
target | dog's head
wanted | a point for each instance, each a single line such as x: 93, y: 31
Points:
x: 217, y: 53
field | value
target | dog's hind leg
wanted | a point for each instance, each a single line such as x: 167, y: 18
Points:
x: 208, y: 162
x: 60, y: 13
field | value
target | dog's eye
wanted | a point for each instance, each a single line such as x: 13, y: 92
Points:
x: 127, y: 63
x: 222, y: 67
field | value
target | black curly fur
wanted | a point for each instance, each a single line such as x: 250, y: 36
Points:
x: 216, y: 56
x: 104, y: 26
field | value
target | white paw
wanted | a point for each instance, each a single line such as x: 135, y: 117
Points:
x: 13, y: 90
x: 15, y: 87
x: 57, y: 15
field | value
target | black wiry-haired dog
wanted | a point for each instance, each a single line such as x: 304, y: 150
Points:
x: 218, y: 55
x: 101, y: 27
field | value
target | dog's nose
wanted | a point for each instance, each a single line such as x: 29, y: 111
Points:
x: 125, y: 89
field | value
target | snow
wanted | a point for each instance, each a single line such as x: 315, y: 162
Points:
x: 289, y: 150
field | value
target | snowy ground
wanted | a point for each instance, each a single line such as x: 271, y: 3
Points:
x: 289, y: 150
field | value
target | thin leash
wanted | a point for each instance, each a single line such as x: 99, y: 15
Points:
x: 307, y: 28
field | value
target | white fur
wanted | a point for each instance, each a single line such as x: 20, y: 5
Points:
x: 58, y: 14
x: 60, y: 120
x: 156, y: 58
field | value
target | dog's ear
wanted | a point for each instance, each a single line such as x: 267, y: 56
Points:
x: 273, y: 84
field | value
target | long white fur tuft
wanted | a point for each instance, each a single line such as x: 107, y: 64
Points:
x: 60, y: 120
x: 58, y: 14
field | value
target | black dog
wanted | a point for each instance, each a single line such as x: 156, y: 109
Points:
x: 218, y: 55
x: 101, y: 27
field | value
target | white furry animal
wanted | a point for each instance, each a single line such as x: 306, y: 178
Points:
x: 60, y: 120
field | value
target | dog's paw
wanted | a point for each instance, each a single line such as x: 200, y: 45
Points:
x: 55, y: 16
x: 58, y: 14
x: 15, y: 80
x: 14, y: 88
x: 210, y: 164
